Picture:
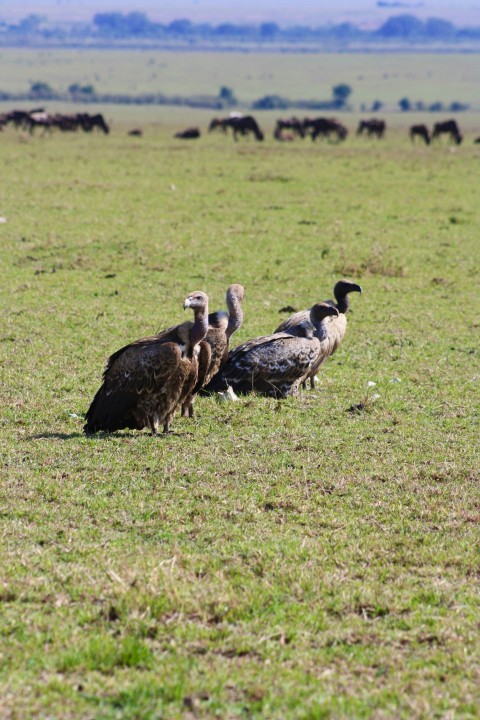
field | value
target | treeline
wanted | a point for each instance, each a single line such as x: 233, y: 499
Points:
x: 136, y: 26
x: 224, y: 100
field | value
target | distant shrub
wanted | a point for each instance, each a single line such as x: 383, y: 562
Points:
x: 41, y: 90
x: 404, y: 104
x: 270, y: 102
x: 459, y: 107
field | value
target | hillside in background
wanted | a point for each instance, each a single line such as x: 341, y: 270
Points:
x: 368, y: 14
x: 137, y: 29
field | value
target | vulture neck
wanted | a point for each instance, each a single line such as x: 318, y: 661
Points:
x: 199, y: 328
x: 235, y: 315
x: 343, y: 303
x: 321, y: 330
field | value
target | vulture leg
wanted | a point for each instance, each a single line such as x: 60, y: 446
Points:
x: 312, y: 382
x: 304, y: 384
x: 187, y: 409
x: 151, y: 422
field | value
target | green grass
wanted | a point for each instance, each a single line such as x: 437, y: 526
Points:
x: 273, y: 559
x: 303, y: 76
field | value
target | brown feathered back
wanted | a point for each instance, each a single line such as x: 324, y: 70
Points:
x: 144, y: 382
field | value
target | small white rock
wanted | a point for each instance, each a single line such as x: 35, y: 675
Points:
x: 371, y: 383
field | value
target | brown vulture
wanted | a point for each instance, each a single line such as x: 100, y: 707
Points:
x: 275, y: 364
x: 336, y: 326
x: 144, y: 382
x: 213, y: 351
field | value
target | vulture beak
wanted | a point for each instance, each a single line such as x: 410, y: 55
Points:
x: 357, y: 288
x: 187, y: 303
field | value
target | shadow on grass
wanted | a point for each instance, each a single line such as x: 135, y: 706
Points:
x: 106, y: 436
x: 55, y: 436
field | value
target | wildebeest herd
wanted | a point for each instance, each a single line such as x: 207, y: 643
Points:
x: 38, y: 118
x: 145, y: 382
x: 289, y: 129
x: 286, y: 129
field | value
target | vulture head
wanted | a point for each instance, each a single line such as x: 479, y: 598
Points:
x: 197, y: 300
x: 341, y: 290
x: 321, y: 310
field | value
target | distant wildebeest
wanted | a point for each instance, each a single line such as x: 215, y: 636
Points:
x: 327, y: 127
x: 188, y: 134
x: 420, y: 131
x: 292, y: 125
x: 372, y: 128
x: 89, y: 122
x: 218, y: 124
x: 136, y: 132
x: 448, y: 127
x: 243, y: 125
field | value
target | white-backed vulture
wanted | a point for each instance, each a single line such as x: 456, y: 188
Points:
x: 221, y: 326
x: 337, y: 326
x: 144, y: 382
x: 275, y: 364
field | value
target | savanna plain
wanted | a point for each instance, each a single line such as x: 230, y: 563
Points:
x: 316, y: 557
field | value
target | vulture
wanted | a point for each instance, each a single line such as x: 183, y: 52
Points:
x: 275, y: 364
x: 213, y: 351
x: 336, y: 327
x: 144, y: 382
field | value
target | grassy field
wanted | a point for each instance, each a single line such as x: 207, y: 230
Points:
x: 274, y: 559
x: 373, y: 76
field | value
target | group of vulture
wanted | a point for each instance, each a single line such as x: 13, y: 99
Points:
x: 145, y: 382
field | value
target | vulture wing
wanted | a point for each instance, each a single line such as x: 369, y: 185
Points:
x: 142, y: 383
x: 271, y: 365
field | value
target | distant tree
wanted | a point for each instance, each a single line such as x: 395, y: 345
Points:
x: 340, y: 94
x: 180, y: 27
x: 268, y: 30
x: 77, y: 89
x: 459, y: 107
x: 41, y: 90
x: 436, y: 107
x: 405, y: 104
x: 438, y: 29
x: 419, y: 105
x: 377, y: 105
x: 31, y: 23
x: 401, y: 26
x: 344, y: 31
x: 227, y: 30
x: 227, y: 96
x: 137, y: 24
x: 270, y: 102
x: 112, y: 24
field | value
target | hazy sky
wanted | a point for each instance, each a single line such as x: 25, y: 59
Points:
x: 284, y: 12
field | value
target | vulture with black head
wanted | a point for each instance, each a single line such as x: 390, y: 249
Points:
x: 144, y: 382
x: 274, y: 365
x: 221, y: 326
x: 336, y: 326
